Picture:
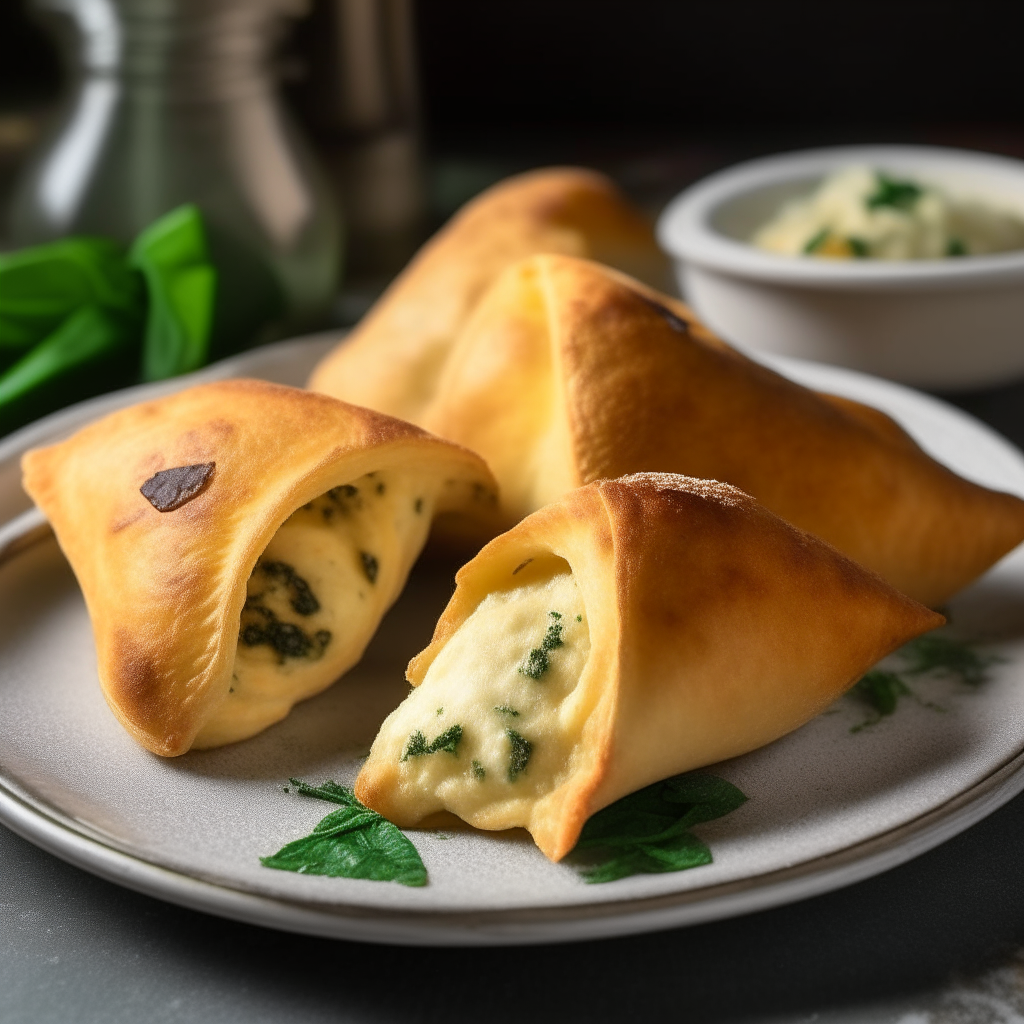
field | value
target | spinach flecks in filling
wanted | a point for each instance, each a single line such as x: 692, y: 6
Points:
x: 261, y: 626
x: 479, y: 771
x: 900, y: 195
x: 519, y: 756
x: 370, y: 565
x: 538, y: 660
x: 504, y: 709
x: 448, y: 741
x: 303, y: 600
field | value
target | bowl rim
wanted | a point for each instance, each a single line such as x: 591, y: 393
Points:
x: 685, y: 231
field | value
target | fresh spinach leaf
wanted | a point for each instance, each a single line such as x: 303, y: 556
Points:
x: 648, y: 832
x: 353, y: 842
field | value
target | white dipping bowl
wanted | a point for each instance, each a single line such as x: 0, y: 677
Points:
x: 944, y: 324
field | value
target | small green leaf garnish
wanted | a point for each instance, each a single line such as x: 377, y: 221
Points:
x: 881, y: 690
x: 519, y: 756
x: 942, y: 654
x: 900, y: 195
x: 648, y: 832
x: 956, y: 247
x: 440, y: 711
x: 448, y: 741
x: 479, y: 771
x: 815, y: 242
x: 538, y: 662
x: 353, y: 842
x: 504, y: 709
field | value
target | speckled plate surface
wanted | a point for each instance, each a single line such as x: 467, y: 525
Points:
x: 828, y: 806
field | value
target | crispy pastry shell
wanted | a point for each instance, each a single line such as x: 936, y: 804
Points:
x: 569, y: 372
x: 392, y: 359
x: 715, y: 628
x: 165, y: 590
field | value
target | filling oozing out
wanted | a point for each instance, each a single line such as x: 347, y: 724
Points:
x: 316, y: 596
x: 493, y: 724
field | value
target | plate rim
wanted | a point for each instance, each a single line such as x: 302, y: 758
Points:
x: 45, y: 827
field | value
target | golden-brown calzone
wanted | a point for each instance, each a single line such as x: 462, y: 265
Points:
x: 635, y: 629
x: 569, y: 372
x: 391, y: 360
x: 237, y: 544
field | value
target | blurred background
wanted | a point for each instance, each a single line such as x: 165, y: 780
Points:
x: 353, y: 128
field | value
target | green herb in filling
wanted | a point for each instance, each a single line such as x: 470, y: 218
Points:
x: 858, y: 246
x: 479, y: 771
x: 519, y: 756
x: 303, y: 600
x: 352, y: 842
x: 261, y: 626
x: 504, y: 709
x: 448, y: 741
x: 956, y: 247
x: 370, y: 565
x: 538, y: 662
x: 900, y: 195
x: 815, y: 242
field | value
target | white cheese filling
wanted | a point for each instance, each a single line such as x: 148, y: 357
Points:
x: 317, y: 594
x: 494, y: 724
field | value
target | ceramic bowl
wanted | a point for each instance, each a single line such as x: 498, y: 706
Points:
x: 944, y: 324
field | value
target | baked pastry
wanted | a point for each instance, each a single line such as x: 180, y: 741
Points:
x: 391, y: 360
x: 569, y: 372
x: 237, y: 544
x: 635, y: 629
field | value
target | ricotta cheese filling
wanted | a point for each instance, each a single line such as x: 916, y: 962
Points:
x: 494, y: 724
x: 316, y: 596
x: 860, y: 212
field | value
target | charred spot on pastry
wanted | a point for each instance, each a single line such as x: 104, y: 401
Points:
x: 171, y: 488
x: 521, y: 566
x: 380, y: 488
x: 302, y: 599
x: 260, y: 626
x: 417, y: 506
x: 370, y: 565
x: 677, y: 323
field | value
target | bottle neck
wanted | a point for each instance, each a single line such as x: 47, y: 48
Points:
x: 188, y: 50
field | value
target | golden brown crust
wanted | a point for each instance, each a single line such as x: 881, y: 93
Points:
x: 392, y: 359
x: 165, y: 589
x: 603, y: 377
x: 715, y: 628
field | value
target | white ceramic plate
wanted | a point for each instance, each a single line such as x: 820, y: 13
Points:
x: 827, y: 806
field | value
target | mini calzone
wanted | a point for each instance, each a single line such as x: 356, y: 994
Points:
x: 392, y: 359
x: 569, y: 372
x: 633, y: 630
x: 237, y: 544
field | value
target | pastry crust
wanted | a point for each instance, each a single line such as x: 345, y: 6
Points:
x: 165, y: 590
x: 392, y: 359
x: 570, y: 372
x: 714, y: 628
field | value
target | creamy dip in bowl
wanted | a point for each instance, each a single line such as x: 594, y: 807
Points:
x: 896, y: 302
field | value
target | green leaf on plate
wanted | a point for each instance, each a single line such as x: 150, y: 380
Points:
x: 935, y: 653
x: 648, y: 832
x: 182, y: 283
x: 353, y: 842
